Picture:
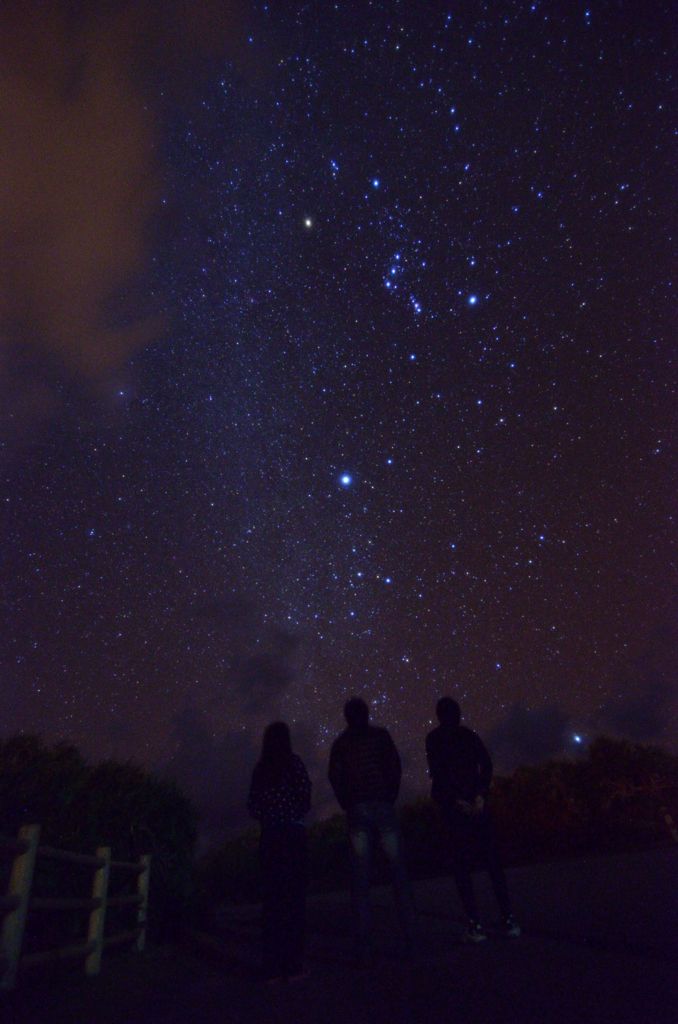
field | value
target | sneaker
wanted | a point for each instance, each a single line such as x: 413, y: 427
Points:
x: 511, y: 927
x: 475, y: 932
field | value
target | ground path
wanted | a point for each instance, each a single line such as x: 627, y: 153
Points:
x: 600, y: 945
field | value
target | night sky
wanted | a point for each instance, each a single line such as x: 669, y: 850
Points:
x: 338, y: 346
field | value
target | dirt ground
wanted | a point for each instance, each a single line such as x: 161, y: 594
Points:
x: 600, y: 944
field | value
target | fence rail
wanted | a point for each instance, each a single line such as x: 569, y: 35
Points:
x: 18, y: 903
x: 49, y: 853
x: 65, y: 903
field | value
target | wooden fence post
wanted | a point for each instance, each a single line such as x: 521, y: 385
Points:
x: 142, y: 890
x: 20, y: 883
x: 98, y: 916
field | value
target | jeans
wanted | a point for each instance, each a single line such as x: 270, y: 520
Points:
x: 367, y: 822
x: 283, y: 859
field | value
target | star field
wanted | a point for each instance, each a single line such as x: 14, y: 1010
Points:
x: 410, y: 428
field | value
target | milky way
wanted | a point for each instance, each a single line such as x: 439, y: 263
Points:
x: 411, y: 426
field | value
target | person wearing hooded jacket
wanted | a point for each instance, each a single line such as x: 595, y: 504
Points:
x: 461, y: 772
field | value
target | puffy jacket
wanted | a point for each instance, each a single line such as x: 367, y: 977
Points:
x: 364, y: 766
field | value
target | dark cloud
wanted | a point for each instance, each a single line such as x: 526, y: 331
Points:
x: 213, y: 752
x: 261, y: 659
x: 642, y: 715
x: 642, y: 709
x: 235, y: 612
x: 264, y: 674
x: 647, y: 690
x: 646, y: 693
x: 527, y: 736
x: 270, y: 672
x: 214, y: 770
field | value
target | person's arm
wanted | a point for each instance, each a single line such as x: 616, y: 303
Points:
x: 484, y: 767
x: 443, y: 789
x: 393, y: 766
x: 303, y: 788
x: 337, y: 775
x: 430, y: 755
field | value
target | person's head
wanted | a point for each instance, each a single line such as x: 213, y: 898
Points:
x: 356, y: 713
x: 448, y: 712
x: 276, y: 745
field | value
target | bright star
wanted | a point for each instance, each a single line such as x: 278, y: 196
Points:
x: 345, y: 480
x: 376, y: 182
x: 472, y: 300
x: 308, y: 223
x: 576, y: 738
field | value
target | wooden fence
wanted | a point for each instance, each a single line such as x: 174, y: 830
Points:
x: 18, y: 902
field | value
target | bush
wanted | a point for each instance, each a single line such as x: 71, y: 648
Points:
x: 230, y: 873
x: 611, y: 801
x: 80, y: 807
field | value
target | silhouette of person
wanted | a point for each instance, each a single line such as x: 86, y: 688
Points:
x: 279, y: 798
x: 461, y: 772
x: 365, y: 773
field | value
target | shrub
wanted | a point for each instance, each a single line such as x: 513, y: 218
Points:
x: 80, y: 807
x: 612, y: 800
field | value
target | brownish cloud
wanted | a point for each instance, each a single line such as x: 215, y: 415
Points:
x: 79, y: 183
